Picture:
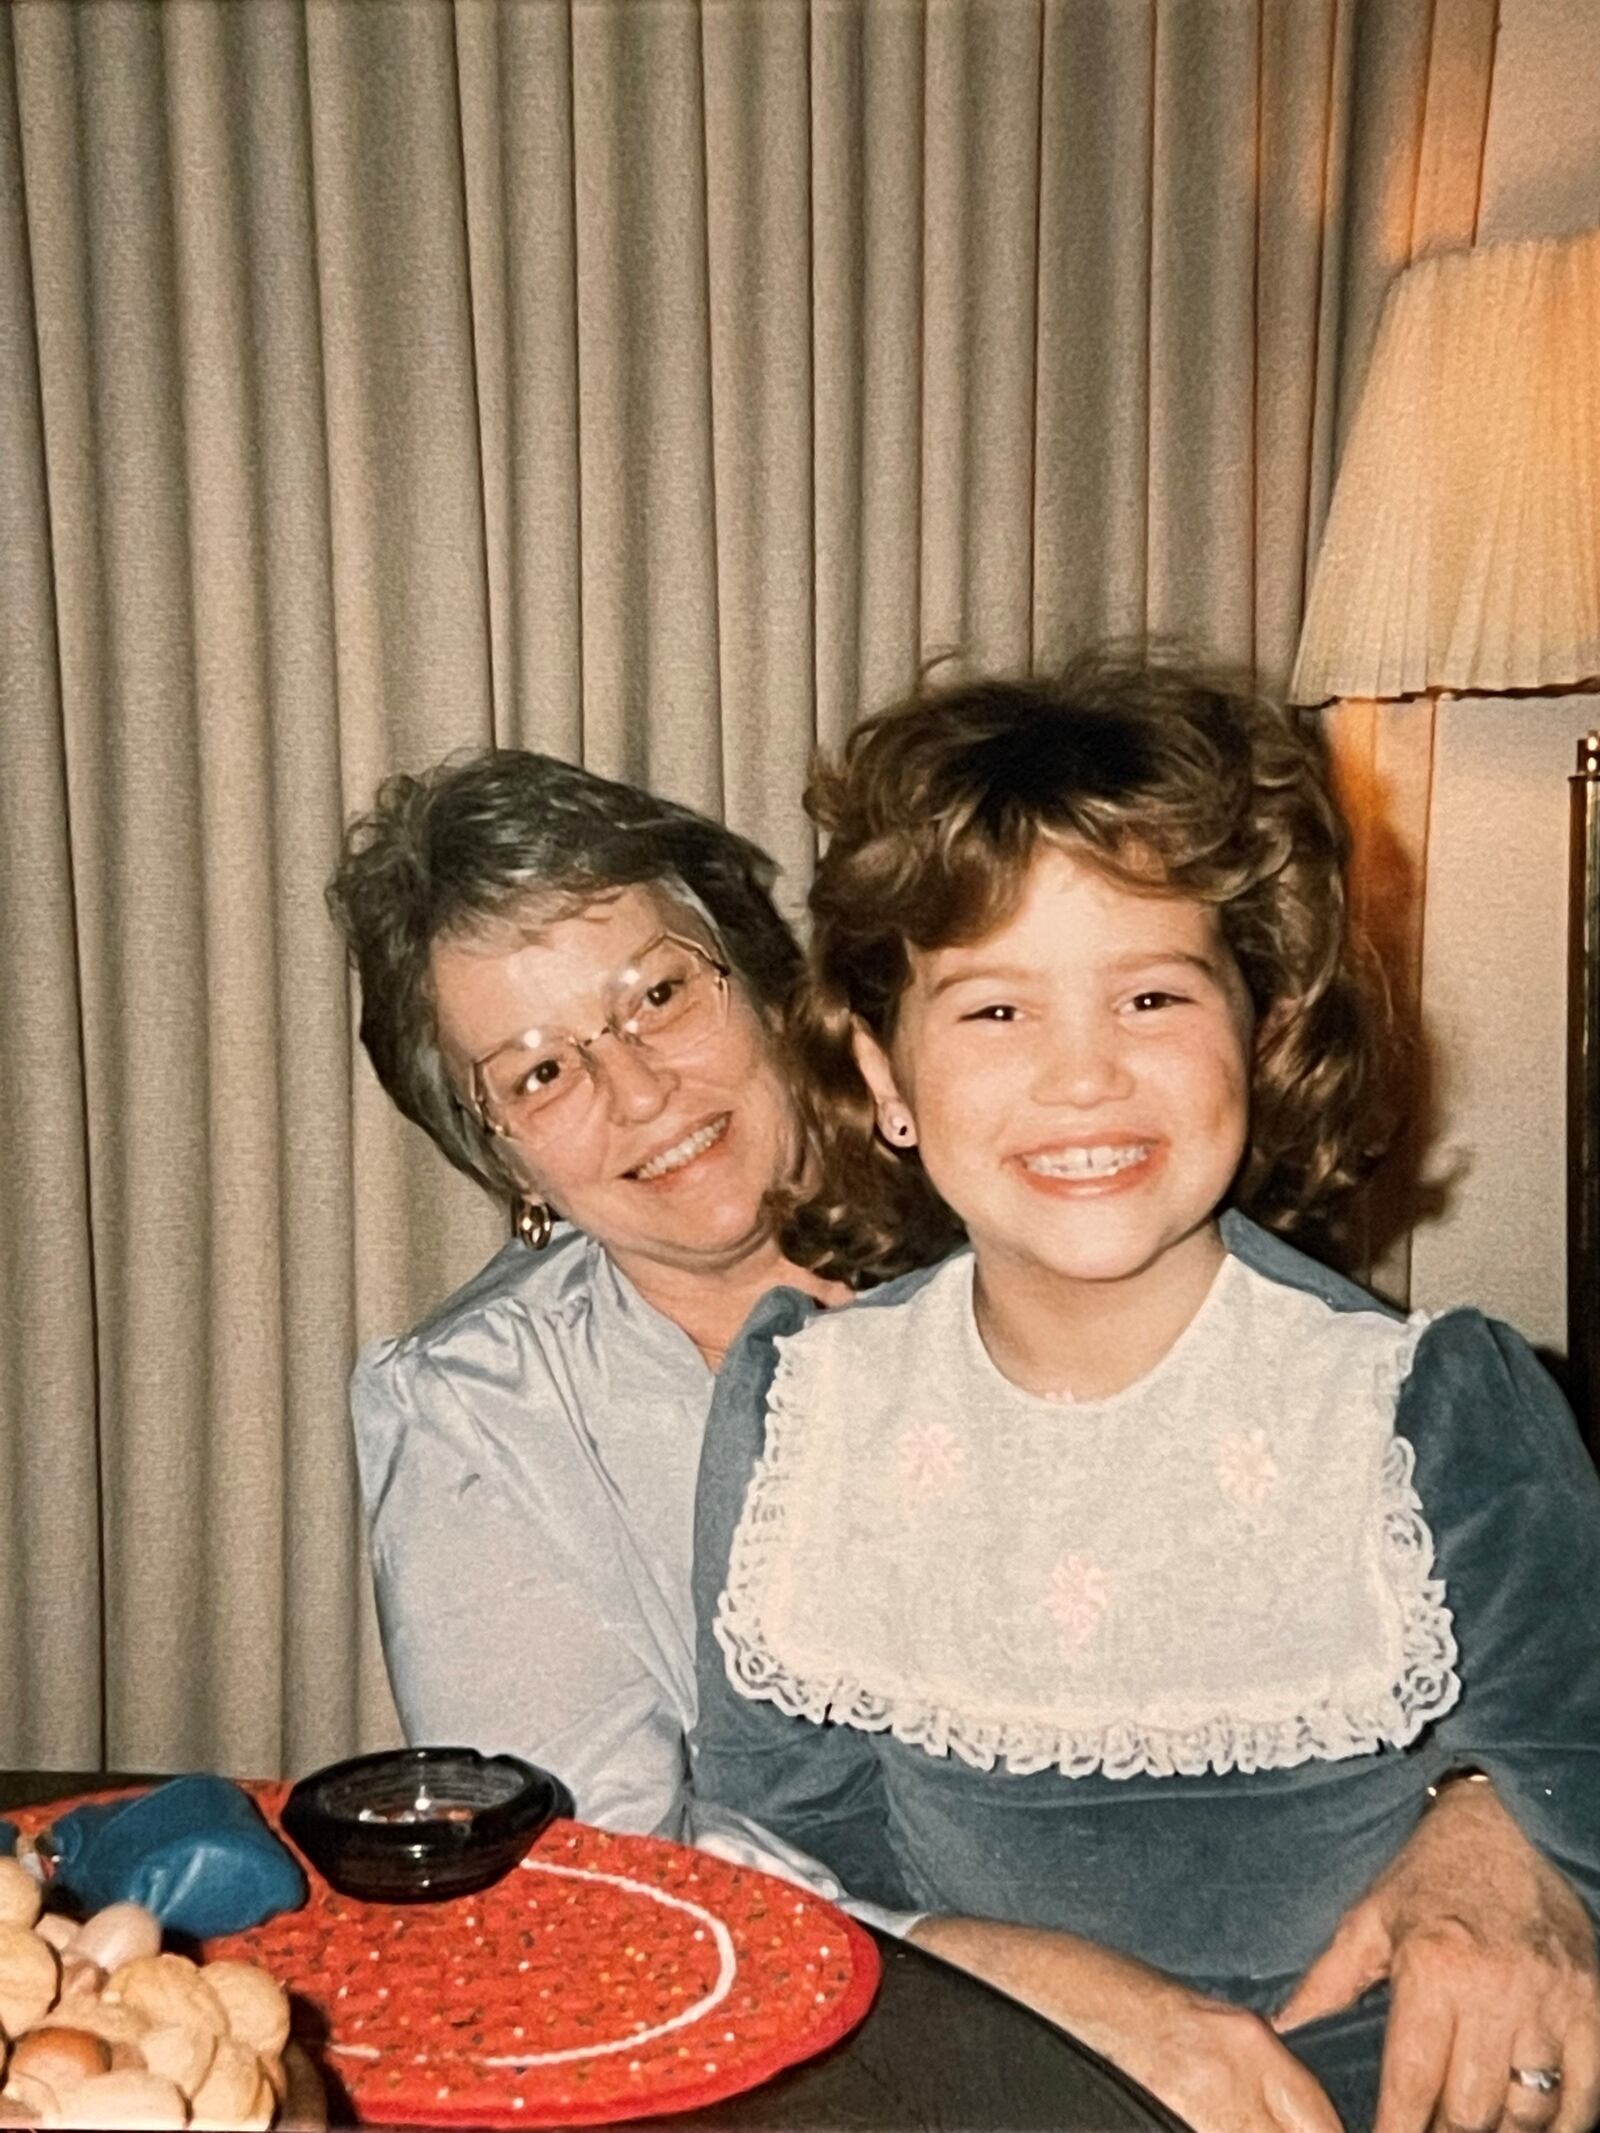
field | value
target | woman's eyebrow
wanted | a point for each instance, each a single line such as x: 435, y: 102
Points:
x: 554, y: 1029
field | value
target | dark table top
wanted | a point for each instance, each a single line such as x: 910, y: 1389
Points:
x: 939, y: 2052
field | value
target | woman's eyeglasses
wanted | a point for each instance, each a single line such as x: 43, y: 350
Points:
x: 669, y: 1003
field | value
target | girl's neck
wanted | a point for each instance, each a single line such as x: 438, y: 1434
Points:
x: 712, y: 1303
x: 1063, y: 1337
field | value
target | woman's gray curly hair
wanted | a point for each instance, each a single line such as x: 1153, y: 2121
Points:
x: 507, y: 833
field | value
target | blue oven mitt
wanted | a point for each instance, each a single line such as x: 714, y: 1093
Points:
x: 195, y: 1851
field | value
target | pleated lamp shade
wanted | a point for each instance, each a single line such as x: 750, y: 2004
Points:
x: 1462, y: 549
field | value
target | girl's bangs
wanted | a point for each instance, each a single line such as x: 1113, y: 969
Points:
x: 975, y: 879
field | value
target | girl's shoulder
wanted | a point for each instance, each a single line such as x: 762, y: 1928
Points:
x: 1477, y: 1403
x: 870, y: 1327
x: 862, y: 1341
x: 1488, y: 1419
x: 1274, y: 1259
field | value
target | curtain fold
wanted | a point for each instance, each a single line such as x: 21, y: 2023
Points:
x: 653, y: 381
x: 868, y: 103
x: 49, y: 1401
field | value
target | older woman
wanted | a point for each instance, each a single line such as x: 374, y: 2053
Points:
x: 572, y: 988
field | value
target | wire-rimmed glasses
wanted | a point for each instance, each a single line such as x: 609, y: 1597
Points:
x: 670, y: 1002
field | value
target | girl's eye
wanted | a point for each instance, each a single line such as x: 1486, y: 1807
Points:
x: 1000, y: 1011
x: 1146, y: 1002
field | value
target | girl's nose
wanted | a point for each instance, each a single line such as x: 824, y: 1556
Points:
x: 1082, y: 1066
x: 634, y: 1086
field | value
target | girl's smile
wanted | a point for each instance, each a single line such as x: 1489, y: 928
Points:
x: 1081, y: 1170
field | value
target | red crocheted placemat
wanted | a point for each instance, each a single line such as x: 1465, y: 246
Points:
x: 606, y: 1978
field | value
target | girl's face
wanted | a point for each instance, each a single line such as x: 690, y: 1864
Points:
x: 1078, y: 1081
x: 670, y: 1154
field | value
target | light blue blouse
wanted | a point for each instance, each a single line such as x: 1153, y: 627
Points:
x: 528, y: 1457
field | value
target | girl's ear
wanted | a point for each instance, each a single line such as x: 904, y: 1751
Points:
x: 895, y: 1121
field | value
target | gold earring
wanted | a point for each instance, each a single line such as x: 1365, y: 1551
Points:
x: 533, y: 1223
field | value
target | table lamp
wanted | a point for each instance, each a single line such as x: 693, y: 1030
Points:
x: 1462, y: 557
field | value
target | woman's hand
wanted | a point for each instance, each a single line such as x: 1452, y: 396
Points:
x: 1218, y: 2066
x: 1490, y: 1957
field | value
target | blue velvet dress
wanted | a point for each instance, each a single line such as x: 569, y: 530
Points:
x: 1232, y: 1882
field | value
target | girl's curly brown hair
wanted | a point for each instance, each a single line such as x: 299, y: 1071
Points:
x: 1173, y: 780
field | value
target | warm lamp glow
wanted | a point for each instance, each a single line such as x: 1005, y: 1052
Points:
x: 1462, y: 549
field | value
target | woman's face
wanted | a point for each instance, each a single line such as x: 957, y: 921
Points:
x: 662, y: 1159
x: 1079, y: 1079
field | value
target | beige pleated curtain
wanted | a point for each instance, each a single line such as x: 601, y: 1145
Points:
x: 650, y: 382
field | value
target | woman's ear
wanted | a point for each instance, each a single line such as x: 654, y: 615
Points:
x: 895, y: 1121
x: 523, y: 1179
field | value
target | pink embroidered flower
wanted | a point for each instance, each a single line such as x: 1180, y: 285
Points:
x: 1077, y: 1599
x: 1246, y: 1469
x: 931, y: 1459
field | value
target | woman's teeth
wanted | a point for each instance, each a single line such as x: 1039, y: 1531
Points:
x: 1086, y: 1162
x: 684, y: 1151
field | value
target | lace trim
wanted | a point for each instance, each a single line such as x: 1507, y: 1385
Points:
x: 1428, y: 1685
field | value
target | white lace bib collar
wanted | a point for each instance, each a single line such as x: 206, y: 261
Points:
x: 1223, y: 1567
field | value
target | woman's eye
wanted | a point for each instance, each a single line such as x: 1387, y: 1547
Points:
x: 663, y: 992
x: 1145, y: 1002
x: 543, y: 1074
x: 998, y: 1011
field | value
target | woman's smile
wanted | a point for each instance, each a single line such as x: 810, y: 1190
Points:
x: 675, y: 1162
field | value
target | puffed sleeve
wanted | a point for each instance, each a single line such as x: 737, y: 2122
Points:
x: 1514, y: 1503
x: 491, y: 1635
x: 817, y: 1787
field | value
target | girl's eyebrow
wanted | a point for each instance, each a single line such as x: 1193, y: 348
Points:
x: 1141, y: 958
x: 1134, y: 959
x: 984, y: 973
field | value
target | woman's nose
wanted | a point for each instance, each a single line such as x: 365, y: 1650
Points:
x: 635, y: 1086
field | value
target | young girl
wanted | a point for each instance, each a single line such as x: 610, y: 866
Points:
x: 1131, y: 1575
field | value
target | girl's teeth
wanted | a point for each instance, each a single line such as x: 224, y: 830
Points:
x: 1086, y: 1162
x: 684, y: 1152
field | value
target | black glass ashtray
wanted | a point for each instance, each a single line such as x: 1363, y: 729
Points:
x: 418, y: 1825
